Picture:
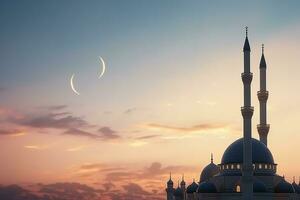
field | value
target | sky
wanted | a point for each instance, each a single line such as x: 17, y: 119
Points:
x: 170, y: 96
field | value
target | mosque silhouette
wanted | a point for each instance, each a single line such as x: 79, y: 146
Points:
x: 247, y: 170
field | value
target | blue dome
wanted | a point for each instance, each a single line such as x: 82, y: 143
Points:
x: 192, y: 188
x: 207, y: 187
x: 259, y: 186
x: 284, y: 187
x: 260, y: 153
x: 178, y: 192
x: 208, y: 172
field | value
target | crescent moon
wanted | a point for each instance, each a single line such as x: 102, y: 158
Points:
x: 72, y: 85
x: 103, y: 67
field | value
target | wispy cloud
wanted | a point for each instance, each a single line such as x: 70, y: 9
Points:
x: 146, y: 137
x: 12, y: 132
x: 52, y: 121
x: 192, y: 129
x: 36, y: 147
x: 130, y: 110
x: 107, y: 133
x: 78, y: 132
x: 55, y: 107
x: 76, y: 148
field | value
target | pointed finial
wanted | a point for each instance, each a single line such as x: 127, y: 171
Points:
x: 293, y: 179
x: 212, y: 158
x: 263, y: 48
x: 246, y: 31
x: 170, y: 175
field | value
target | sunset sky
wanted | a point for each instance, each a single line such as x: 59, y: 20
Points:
x: 170, y: 96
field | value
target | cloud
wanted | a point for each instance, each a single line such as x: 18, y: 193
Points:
x: 55, y: 107
x: 135, y: 189
x: 119, y: 183
x: 130, y: 110
x: 154, y: 172
x: 78, y: 191
x: 54, y: 117
x: 69, y: 191
x: 108, y: 186
x: 76, y: 148
x: 35, y: 147
x: 78, y: 132
x: 192, y: 129
x: 108, y: 134
x: 12, y: 132
x: 16, y: 192
x: 52, y: 121
x: 147, y: 137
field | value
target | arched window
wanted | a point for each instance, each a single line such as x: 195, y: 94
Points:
x: 238, y: 188
x: 260, y: 166
x: 238, y: 166
x: 232, y: 166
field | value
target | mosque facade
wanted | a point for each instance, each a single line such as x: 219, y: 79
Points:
x: 247, y: 170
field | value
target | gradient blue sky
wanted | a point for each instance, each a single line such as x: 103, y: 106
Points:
x: 43, y: 41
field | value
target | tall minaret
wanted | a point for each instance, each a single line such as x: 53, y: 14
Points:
x: 263, y: 127
x: 247, y: 112
x: 183, y: 187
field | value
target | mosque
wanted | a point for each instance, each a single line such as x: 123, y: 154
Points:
x: 247, y: 170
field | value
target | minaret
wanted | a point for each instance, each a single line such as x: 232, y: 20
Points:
x: 247, y: 112
x: 263, y: 94
x: 182, y: 186
x: 170, y: 189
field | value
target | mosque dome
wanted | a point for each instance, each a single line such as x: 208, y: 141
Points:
x: 259, y: 186
x: 296, y: 187
x: 192, y: 188
x: 260, y: 153
x: 206, y: 187
x: 284, y: 187
x: 170, y: 182
x: 178, y: 192
x: 209, y: 171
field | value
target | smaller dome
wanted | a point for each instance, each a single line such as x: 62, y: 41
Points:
x: 207, y: 187
x: 284, y: 187
x: 178, y: 192
x: 192, y: 188
x: 296, y: 187
x: 259, y: 186
x: 170, y: 182
x: 209, y: 171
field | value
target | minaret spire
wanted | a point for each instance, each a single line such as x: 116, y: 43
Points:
x: 211, y: 158
x: 247, y: 112
x: 263, y: 128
